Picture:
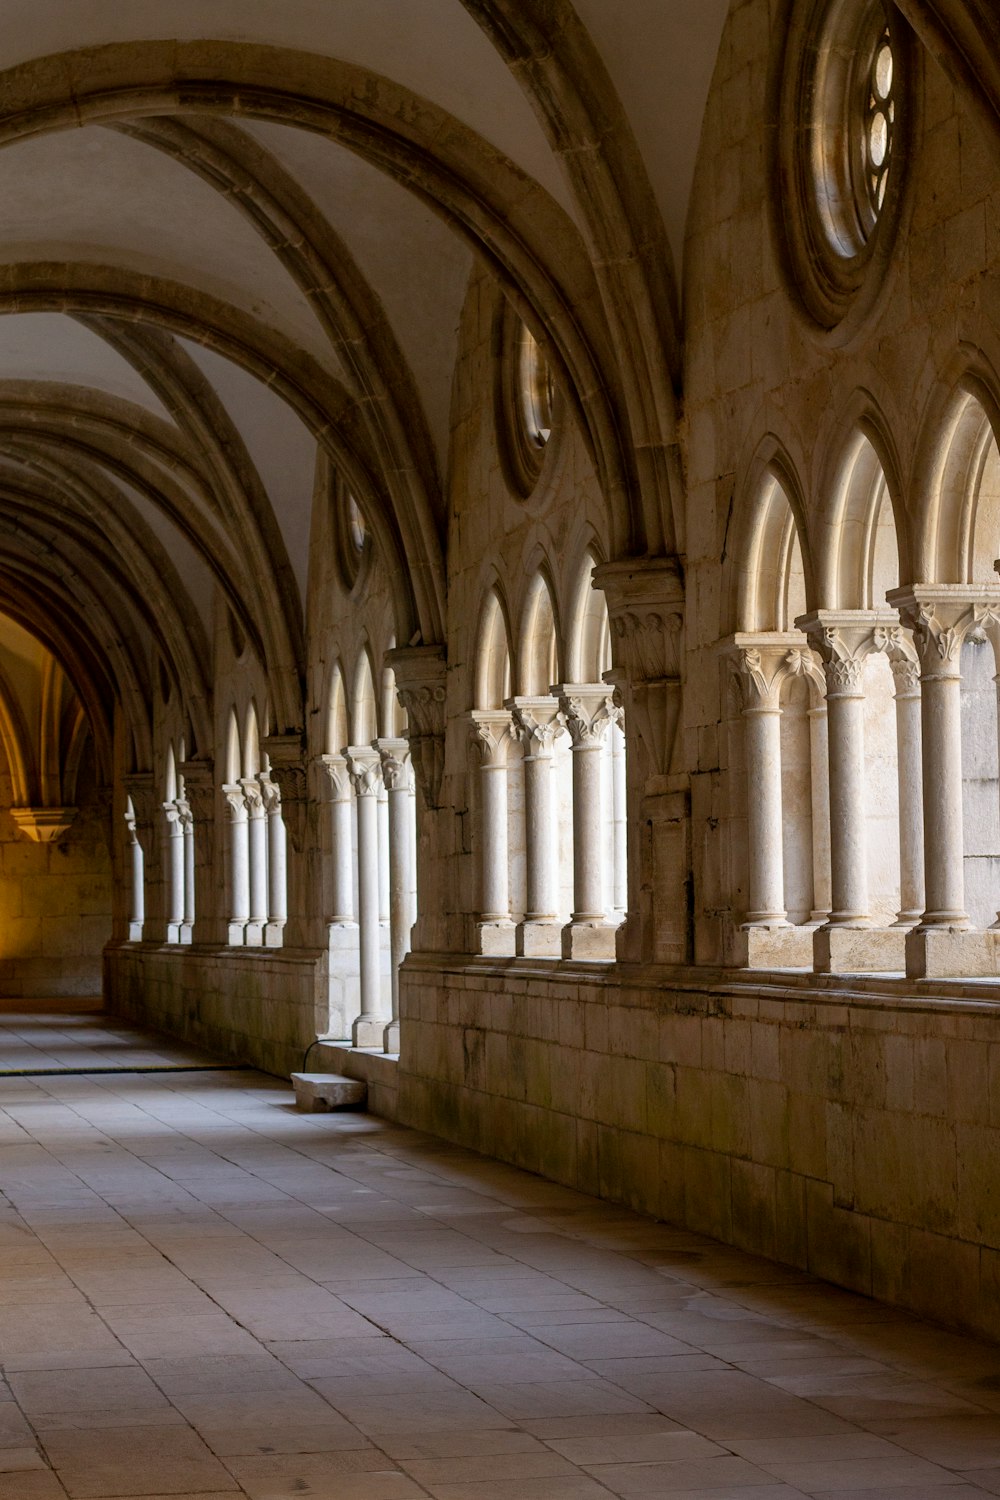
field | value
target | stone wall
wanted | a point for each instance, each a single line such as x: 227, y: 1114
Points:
x: 251, y: 1005
x: 853, y: 1135
x: 55, y: 908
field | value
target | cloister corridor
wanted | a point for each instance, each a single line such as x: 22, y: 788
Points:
x: 204, y: 1293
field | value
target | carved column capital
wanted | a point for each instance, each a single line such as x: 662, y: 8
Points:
x: 141, y: 788
x: 364, y: 765
x: 905, y: 676
x: 270, y: 794
x: 420, y: 673
x: 761, y: 662
x: 287, y: 769
x: 588, y: 710
x: 334, y: 767
x: 645, y: 599
x: 943, y: 617
x: 844, y: 638
x: 493, y: 731
x: 234, y: 795
x: 538, y: 723
x: 200, y: 789
x: 395, y: 757
x: 252, y: 796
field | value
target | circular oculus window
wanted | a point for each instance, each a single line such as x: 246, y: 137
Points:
x: 842, y: 127
x: 526, y: 401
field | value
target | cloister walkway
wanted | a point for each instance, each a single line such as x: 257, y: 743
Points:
x: 204, y: 1293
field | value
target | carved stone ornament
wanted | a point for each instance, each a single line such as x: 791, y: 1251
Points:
x: 270, y: 794
x: 140, y: 787
x: 233, y: 793
x: 253, y: 795
x: 942, y: 617
x: 288, y: 772
x: 645, y: 599
x: 420, y: 673
x: 588, y: 711
x: 43, y: 825
x: 364, y: 765
x: 200, y: 789
x: 335, y: 769
x: 493, y: 730
x: 395, y: 757
x: 538, y: 723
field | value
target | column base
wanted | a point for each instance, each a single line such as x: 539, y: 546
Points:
x: 274, y: 935
x: 952, y: 953
x: 495, y: 939
x: 234, y: 934
x: 390, y: 1038
x: 538, y: 939
x: 253, y: 934
x: 589, y: 940
x: 859, y: 950
x: 368, y: 1031
x: 784, y: 947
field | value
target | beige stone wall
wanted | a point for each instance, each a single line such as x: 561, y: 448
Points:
x: 251, y: 1005
x: 55, y: 906
x: 854, y: 1135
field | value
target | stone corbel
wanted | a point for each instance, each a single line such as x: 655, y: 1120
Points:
x: 645, y: 599
x: 43, y: 825
x: 286, y: 757
x: 420, y: 673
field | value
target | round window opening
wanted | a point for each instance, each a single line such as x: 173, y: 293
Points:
x: 352, y: 536
x: 844, y: 108
x: 527, y: 403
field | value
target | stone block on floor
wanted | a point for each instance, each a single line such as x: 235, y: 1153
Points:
x: 315, y: 1092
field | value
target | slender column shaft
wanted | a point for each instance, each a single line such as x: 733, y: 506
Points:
x: 620, y: 824
x: 277, y: 864
x: 589, y: 713
x: 384, y: 896
x: 848, y: 827
x: 257, y: 846
x: 762, y: 734
x: 364, y: 769
x: 909, y: 768
x: 239, y: 862
x: 493, y: 733
x: 539, y: 724
x: 138, y: 902
x: 396, y: 779
x: 941, y: 725
x: 175, y: 872
x: 819, y: 782
x: 187, y: 831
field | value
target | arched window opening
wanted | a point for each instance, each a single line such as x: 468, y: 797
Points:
x: 778, y: 746
x: 339, y: 863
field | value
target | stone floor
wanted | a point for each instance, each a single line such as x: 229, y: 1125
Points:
x: 206, y: 1294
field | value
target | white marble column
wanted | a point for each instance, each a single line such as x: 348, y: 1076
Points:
x: 396, y: 777
x: 342, y: 843
x: 186, y: 818
x: 761, y: 669
x: 819, y: 783
x: 365, y: 770
x: 588, y: 711
x: 493, y: 730
x: 175, y: 872
x: 277, y: 864
x: 539, y: 724
x: 137, y: 905
x: 619, y: 830
x: 239, y: 863
x: 257, y: 851
x: 909, y: 766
